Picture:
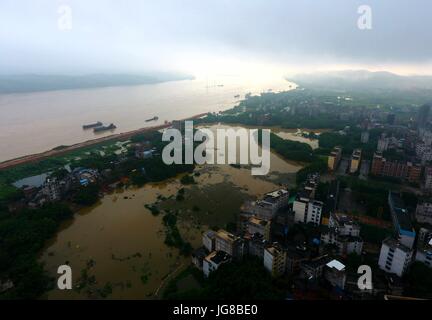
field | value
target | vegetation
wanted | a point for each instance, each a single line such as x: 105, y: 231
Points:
x: 87, y: 195
x: 172, y: 235
x: 233, y: 281
x: 21, y: 239
x: 292, y: 150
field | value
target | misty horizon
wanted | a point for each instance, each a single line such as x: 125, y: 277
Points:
x: 277, y: 37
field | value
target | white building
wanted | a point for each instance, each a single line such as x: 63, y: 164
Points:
x: 345, y: 244
x: 51, y: 189
x: 383, y: 144
x: 344, y: 225
x: 208, y: 240
x: 214, y: 260
x: 364, y: 138
x: 314, y: 212
x: 394, y: 257
x: 271, y: 203
x: 425, y: 255
x: 275, y: 260
x: 229, y: 243
x: 424, y: 212
x: 300, y: 207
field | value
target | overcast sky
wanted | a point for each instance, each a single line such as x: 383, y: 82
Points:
x: 208, y: 35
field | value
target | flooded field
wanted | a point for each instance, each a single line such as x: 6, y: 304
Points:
x: 116, y: 248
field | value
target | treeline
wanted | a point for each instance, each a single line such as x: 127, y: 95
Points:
x: 22, y: 237
x: 292, y: 150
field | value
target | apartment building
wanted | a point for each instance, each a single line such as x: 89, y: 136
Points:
x: 256, y: 225
x: 229, y: 243
x: 401, y: 220
x: 355, y: 160
x: 214, y: 260
x: 394, y: 257
x: 334, y: 158
x: 275, y: 260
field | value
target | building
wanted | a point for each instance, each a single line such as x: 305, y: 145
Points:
x: 383, y: 143
x: 51, y: 189
x: 306, y: 209
x: 313, y: 269
x: 395, y: 169
x: 364, y: 138
x: 424, y: 247
x: 198, y: 257
x: 259, y: 226
x: 335, y: 273
x: 314, y: 211
x: 229, y: 243
x: 401, y: 220
x: 344, y: 244
x: 256, y: 245
x: 423, y: 212
x: 214, y: 260
x: 271, y: 203
x: 209, y: 240
x: 428, y: 179
x: 343, y: 233
x: 334, y: 158
x: 413, y: 172
x: 275, y: 260
x: 394, y: 257
x: 344, y: 225
x: 355, y: 160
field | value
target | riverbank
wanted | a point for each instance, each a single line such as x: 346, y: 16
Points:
x: 65, y: 149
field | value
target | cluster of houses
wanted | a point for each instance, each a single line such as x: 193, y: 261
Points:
x: 263, y: 229
x: 55, y: 188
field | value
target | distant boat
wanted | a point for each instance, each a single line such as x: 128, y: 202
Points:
x: 152, y: 119
x: 104, y: 128
x: 92, y: 125
x: 237, y: 96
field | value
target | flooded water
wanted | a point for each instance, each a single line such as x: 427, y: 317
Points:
x: 121, y: 244
x: 298, y: 135
x: 55, y: 118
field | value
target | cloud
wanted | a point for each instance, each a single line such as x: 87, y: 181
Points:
x: 136, y: 35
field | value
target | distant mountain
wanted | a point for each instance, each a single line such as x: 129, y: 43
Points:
x: 33, y: 82
x: 355, y: 80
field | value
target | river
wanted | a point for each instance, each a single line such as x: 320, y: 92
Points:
x: 39, y: 121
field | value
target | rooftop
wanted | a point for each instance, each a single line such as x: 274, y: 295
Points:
x: 336, y: 265
x: 395, y: 244
x: 227, y: 236
x: 402, y: 215
x: 218, y: 257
